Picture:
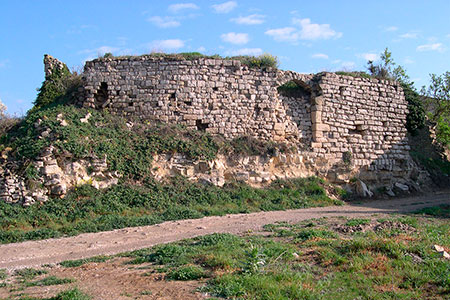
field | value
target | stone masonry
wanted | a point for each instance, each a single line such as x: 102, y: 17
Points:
x: 343, y: 127
x: 347, y: 126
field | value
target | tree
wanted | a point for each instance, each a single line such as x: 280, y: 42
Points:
x: 388, y: 69
x: 437, y: 99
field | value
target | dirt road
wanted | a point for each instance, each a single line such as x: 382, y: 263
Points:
x: 35, y: 253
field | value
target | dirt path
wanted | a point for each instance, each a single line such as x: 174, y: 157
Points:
x: 35, y: 253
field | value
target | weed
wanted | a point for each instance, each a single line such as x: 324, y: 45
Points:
x: 29, y: 273
x: 438, y: 211
x: 356, y: 222
x: 3, y: 274
x: 146, y: 292
x: 73, y: 294
x: 310, y: 233
x: 80, y: 262
x: 50, y: 280
x: 186, y: 273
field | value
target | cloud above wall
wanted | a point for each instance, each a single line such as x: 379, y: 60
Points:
x: 431, y: 47
x: 176, y: 8
x: 311, y: 31
x: 391, y: 28
x: 235, y: 38
x: 164, y: 22
x: 225, y: 7
x: 320, y: 56
x: 170, y: 44
x: 410, y: 35
x: 305, y: 30
x: 254, y: 19
x: 246, y: 51
x: 285, y: 34
x: 369, y: 56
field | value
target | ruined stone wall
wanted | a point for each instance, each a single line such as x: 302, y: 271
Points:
x: 345, y: 126
x: 216, y: 95
x: 361, y: 122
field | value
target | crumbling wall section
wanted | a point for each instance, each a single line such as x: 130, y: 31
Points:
x: 216, y: 95
x: 360, y: 122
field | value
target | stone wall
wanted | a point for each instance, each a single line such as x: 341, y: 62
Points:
x: 343, y: 127
x: 216, y: 95
x: 346, y: 126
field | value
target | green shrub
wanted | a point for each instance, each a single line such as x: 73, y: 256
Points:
x: 186, y: 273
x: 50, y: 280
x: 73, y: 294
x: 354, y: 74
x: 309, y: 233
x: 356, y: 222
x: 56, y: 87
x: 80, y: 262
x: 415, y: 119
x: 29, y: 273
x: 262, y: 61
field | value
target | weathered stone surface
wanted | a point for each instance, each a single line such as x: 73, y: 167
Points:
x: 343, y: 127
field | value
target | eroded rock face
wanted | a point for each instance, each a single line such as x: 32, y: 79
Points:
x: 54, y: 177
x: 254, y: 170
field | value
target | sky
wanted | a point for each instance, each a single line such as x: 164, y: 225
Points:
x: 306, y: 36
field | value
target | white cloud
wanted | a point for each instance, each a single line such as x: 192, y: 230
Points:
x: 409, y: 35
x: 3, y: 63
x: 391, y: 28
x: 320, y: 56
x: 225, y: 7
x: 174, y: 8
x: 369, y: 56
x: 408, y: 61
x: 247, y: 51
x: 307, y: 31
x: 348, y: 65
x: 286, y: 34
x: 164, y: 22
x: 254, y: 19
x: 201, y: 49
x: 430, y: 47
x: 100, y: 51
x: 311, y: 31
x: 172, y: 44
x: 235, y: 38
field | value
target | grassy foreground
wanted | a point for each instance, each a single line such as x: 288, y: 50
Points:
x: 387, y: 259
x: 87, y: 209
x: 328, y: 258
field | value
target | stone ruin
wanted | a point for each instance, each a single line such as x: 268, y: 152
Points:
x: 346, y: 129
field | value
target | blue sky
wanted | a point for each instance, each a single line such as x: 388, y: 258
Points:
x: 306, y: 36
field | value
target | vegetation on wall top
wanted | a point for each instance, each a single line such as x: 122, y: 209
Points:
x: 262, y: 61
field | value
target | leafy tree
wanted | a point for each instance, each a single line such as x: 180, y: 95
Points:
x: 388, y: 69
x: 437, y: 99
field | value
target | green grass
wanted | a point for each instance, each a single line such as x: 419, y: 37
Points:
x: 50, y: 280
x: 3, y: 274
x: 86, y: 209
x: 442, y: 211
x: 432, y: 164
x: 313, y: 262
x: 356, y: 222
x: 29, y: 273
x: 80, y: 262
x: 262, y: 61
